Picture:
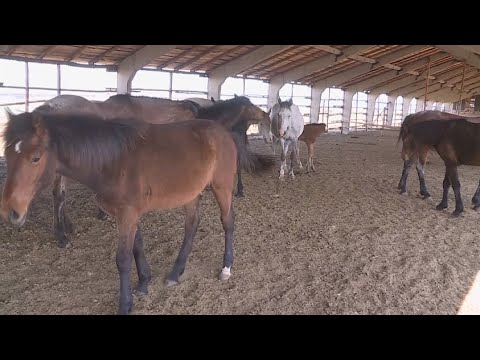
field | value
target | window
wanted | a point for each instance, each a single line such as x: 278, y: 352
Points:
x: 331, y: 108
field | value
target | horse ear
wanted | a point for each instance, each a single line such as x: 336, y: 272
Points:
x: 211, y: 98
x: 10, y: 114
x: 269, y: 111
x: 235, y: 95
x: 290, y: 102
x: 279, y: 100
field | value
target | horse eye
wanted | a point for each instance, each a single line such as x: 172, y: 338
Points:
x: 36, y: 159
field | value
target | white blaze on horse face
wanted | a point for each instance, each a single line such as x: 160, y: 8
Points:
x: 17, y: 147
x: 284, y: 120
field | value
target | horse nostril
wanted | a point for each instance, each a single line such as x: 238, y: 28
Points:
x: 14, y: 215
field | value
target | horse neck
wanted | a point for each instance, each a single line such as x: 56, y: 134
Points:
x: 228, y: 118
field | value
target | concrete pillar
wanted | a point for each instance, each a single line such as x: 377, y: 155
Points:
x: 214, y: 86
x: 370, y: 109
x: 419, y: 106
x: 347, y: 110
x: 273, y: 90
x: 390, y: 108
x: 129, y: 66
x: 405, y: 107
x: 315, y: 103
x: 124, y: 81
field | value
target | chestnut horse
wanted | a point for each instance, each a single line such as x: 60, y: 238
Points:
x: 456, y: 140
x: 148, y: 109
x: 309, y: 135
x: 133, y: 167
x: 418, y: 154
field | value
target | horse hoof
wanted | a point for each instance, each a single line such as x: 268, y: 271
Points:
x: 63, y: 242
x: 440, y: 207
x: 404, y: 193
x: 239, y: 194
x: 426, y: 197
x: 170, y: 283
x: 458, y: 213
x: 225, y: 274
x: 140, y: 291
x: 101, y: 215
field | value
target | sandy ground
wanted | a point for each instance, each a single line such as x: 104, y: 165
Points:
x: 339, y: 241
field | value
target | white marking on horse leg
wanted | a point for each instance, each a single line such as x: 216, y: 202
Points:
x: 282, y: 169
x: 17, y: 147
x: 225, y: 274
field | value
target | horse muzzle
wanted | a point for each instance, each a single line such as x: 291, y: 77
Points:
x: 16, y: 219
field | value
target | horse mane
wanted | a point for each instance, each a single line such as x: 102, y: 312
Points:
x: 219, y: 108
x: 82, y: 140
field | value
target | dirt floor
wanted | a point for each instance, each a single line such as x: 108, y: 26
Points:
x: 339, y: 241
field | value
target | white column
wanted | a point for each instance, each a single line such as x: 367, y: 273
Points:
x: 214, y: 86
x: 370, y: 109
x: 390, y: 107
x: 347, y: 111
x: 315, y: 103
x: 273, y: 90
x: 405, y: 107
x: 129, y: 66
x: 419, y: 106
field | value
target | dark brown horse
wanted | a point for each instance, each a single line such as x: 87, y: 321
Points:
x: 132, y: 167
x: 457, y: 141
x: 414, y: 152
x: 149, y: 110
x: 236, y: 114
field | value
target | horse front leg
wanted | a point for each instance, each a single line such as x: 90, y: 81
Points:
x: 143, y: 269
x: 476, y: 198
x: 127, y: 222
x: 283, y: 158
x: 454, y: 180
x: 446, y: 186
x: 61, y: 223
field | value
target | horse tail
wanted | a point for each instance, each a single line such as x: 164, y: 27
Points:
x: 249, y: 161
x: 404, y: 128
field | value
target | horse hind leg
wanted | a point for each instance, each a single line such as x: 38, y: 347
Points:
x: 476, y: 198
x: 127, y: 224
x: 239, y: 192
x: 422, y: 159
x: 101, y: 215
x: 227, y: 216
x: 192, y: 219
x: 61, y: 223
x: 310, y: 157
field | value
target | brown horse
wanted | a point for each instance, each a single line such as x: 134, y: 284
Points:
x: 414, y: 152
x: 150, y: 110
x: 309, y: 135
x: 236, y: 114
x: 456, y: 141
x: 132, y: 167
